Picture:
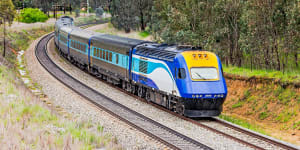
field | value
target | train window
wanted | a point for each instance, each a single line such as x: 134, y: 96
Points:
x: 143, y: 66
x: 117, y: 58
x: 181, y: 73
x: 209, y: 73
x: 110, y: 57
x: 94, y: 51
x: 98, y: 53
x: 103, y: 54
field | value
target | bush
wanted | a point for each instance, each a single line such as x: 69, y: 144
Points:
x: 99, y: 12
x: 32, y: 15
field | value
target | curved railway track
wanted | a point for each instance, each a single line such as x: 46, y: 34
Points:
x: 159, y: 132
x: 148, y: 126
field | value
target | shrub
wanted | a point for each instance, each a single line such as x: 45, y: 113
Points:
x: 31, y: 15
x: 99, y: 12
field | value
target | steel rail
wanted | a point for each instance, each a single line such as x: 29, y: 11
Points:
x: 157, y: 131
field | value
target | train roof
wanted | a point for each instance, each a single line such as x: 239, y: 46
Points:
x: 64, y: 21
x: 162, y: 51
x: 126, y: 43
x: 81, y: 33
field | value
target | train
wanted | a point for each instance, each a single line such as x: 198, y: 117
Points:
x: 183, y: 79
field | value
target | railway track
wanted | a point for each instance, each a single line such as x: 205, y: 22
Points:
x: 163, y: 134
x: 142, y: 127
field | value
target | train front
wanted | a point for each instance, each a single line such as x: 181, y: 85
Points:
x: 200, y: 81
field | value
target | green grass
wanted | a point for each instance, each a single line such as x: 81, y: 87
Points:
x: 243, y: 123
x: 144, y: 34
x: 292, y: 76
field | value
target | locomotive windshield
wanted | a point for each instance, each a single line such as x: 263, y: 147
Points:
x: 204, y: 73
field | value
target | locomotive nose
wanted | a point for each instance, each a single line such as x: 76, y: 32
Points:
x: 204, y: 78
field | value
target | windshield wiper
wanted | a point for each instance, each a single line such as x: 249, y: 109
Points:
x: 199, y: 76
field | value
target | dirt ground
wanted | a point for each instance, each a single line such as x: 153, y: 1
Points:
x: 261, y: 105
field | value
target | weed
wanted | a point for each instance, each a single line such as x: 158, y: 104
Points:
x: 100, y: 128
x: 242, y: 123
x: 296, y: 125
x: 263, y: 115
x: 285, y: 116
x: 247, y: 94
x: 238, y: 104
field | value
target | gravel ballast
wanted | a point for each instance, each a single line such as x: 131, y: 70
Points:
x: 126, y: 135
x: 83, y: 110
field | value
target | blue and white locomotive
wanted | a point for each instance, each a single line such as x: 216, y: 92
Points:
x: 182, y: 79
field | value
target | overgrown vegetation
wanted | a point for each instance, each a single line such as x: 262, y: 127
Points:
x: 20, y: 40
x: 27, y: 124
x: 32, y: 15
x: 291, y: 76
x: 243, y: 123
x: 255, y: 34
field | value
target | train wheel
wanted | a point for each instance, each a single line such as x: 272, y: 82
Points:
x: 180, y: 108
x: 140, y: 92
x: 148, y: 97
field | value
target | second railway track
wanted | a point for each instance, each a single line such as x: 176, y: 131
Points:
x: 144, y: 124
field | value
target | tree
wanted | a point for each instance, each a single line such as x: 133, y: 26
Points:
x: 7, y: 14
x: 124, y: 14
x: 144, y: 8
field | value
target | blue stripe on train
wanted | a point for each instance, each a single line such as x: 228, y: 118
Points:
x: 144, y: 80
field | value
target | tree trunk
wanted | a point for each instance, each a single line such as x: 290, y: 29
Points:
x: 142, y: 21
x: 296, y: 60
x: 4, y: 42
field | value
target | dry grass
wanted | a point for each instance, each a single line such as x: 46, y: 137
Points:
x: 27, y: 123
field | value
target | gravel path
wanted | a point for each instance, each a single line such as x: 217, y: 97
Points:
x: 17, y: 26
x: 72, y: 103
x: 204, y: 136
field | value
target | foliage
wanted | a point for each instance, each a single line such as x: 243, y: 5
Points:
x: 32, y: 15
x: 291, y: 76
x: 7, y: 11
x: 7, y: 14
x: 254, y: 34
x: 130, y: 14
x: 144, y: 34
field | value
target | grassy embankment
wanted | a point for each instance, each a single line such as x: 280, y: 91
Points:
x: 27, y: 123
x: 256, y: 106
x: 290, y: 76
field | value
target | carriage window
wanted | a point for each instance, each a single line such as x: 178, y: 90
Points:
x: 117, y: 58
x: 181, y: 73
x: 110, y: 56
x: 210, y: 73
x: 103, y: 54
